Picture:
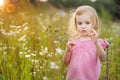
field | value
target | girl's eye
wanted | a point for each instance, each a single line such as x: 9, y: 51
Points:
x: 79, y: 23
x: 87, y: 22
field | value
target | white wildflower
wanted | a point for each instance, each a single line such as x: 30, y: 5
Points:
x: 12, y: 33
x: 5, y: 53
x: 46, y: 49
x: 24, y: 24
x: 33, y: 54
x: 28, y: 51
x: 41, y: 67
x: 44, y: 78
x: 4, y: 47
x: 12, y: 47
x: 56, y: 42
x: 62, y: 76
x: 3, y: 31
x: 26, y: 28
x: 42, y: 46
x: 34, y: 73
x: 34, y: 61
x: 12, y: 26
x: 27, y: 56
x: 25, y: 52
x: 18, y: 27
x: 41, y: 53
x: 0, y: 49
x: 20, y: 30
x: 22, y: 38
x: 59, y: 50
x: 20, y: 52
x: 56, y: 67
x: 1, y: 43
x: 50, y: 54
x: 54, y: 19
x: 53, y: 65
x: 40, y: 14
x: 1, y: 23
x: 38, y: 70
x: 35, y: 51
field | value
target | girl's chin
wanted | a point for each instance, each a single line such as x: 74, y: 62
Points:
x: 84, y: 34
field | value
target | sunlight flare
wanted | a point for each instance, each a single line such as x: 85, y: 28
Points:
x: 1, y: 2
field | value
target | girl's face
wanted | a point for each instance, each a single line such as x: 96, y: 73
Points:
x: 84, y: 24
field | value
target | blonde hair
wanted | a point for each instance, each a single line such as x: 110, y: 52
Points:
x: 72, y: 28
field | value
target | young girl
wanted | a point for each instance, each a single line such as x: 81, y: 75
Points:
x: 84, y: 50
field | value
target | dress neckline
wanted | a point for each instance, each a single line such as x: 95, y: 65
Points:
x: 84, y: 40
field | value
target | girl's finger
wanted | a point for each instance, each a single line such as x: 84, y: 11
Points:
x: 96, y: 34
x: 91, y: 34
x: 94, y: 31
x: 72, y: 44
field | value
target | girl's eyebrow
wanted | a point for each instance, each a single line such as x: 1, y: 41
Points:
x: 79, y: 21
x: 87, y: 21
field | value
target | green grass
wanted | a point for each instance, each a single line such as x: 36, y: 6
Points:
x: 33, y: 41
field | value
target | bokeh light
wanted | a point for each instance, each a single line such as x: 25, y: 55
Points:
x: 43, y: 0
x: 1, y: 2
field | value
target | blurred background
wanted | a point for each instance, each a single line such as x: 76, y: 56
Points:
x: 33, y: 37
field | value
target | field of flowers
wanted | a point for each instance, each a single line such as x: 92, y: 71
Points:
x: 33, y: 42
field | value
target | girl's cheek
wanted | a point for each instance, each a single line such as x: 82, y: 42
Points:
x: 79, y: 29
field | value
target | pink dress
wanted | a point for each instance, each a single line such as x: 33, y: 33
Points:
x: 85, y: 64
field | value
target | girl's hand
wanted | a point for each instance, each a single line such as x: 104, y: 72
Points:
x: 94, y: 36
x: 70, y: 45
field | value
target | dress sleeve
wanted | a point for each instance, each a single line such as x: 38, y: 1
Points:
x: 104, y: 43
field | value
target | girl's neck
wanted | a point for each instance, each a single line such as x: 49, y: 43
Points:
x: 84, y: 38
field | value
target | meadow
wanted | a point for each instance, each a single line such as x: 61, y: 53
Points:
x: 33, y: 42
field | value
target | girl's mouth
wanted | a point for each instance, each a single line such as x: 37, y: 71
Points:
x: 83, y: 31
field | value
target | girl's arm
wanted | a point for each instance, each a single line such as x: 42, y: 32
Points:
x: 68, y: 53
x: 67, y: 57
x: 101, y: 51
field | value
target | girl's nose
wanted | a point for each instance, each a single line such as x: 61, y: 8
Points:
x: 83, y: 26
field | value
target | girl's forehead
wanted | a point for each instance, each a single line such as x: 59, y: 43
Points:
x: 83, y: 17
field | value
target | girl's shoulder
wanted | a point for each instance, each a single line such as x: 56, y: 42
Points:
x: 72, y: 40
x: 104, y: 43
